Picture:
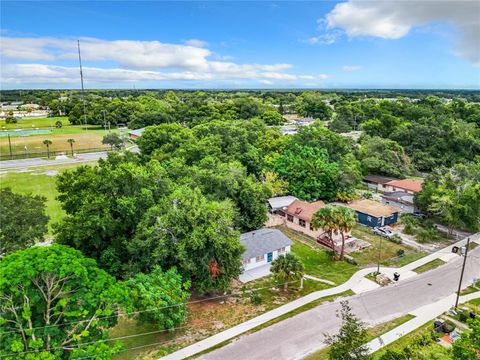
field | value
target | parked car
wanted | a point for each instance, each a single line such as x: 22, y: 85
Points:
x: 383, y: 232
x: 419, y: 215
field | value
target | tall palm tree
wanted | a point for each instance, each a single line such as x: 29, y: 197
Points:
x: 287, y: 268
x: 346, y: 221
x: 326, y: 218
x: 47, y: 143
x: 71, y: 141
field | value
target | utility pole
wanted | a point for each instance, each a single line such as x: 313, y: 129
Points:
x: 104, y: 112
x: 379, y: 254
x: 83, y: 89
x: 10, y: 146
x: 461, y: 275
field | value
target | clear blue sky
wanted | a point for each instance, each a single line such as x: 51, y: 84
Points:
x: 239, y: 45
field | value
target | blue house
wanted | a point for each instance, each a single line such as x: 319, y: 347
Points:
x: 372, y: 213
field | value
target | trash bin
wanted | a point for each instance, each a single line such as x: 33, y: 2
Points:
x: 396, y: 276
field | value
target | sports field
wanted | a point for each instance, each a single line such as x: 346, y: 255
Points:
x: 91, y: 138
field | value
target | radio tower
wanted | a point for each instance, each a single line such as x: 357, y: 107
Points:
x: 83, y: 89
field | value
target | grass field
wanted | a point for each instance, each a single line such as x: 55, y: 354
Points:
x: 38, y: 181
x: 35, y: 122
x: 92, y: 138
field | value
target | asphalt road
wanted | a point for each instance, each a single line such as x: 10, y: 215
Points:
x: 38, y: 162
x: 298, y: 336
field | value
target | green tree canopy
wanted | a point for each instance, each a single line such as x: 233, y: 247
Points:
x: 309, y: 173
x: 350, y: 342
x: 54, y: 300
x: 383, y: 156
x: 104, y: 205
x: 195, y: 235
x: 23, y: 220
x: 160, y: 297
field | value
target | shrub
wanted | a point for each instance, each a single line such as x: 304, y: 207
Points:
x: 396, y: 239
x: 448, y: 326
x: 409, y: 229
x: 11, y: 120
x: 400, y: 252
x: 255, y: 298
x: 351, y: 260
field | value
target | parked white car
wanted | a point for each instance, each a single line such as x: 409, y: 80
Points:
x: 382, y: 231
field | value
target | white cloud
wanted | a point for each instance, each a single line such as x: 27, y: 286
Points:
x: 36, y: 61
x: 394, y: 19
x: 351, y: 68
x: 196, y: 43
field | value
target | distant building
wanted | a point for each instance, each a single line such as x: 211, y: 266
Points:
x: 134, y: 134
x: 372, y: 213
x: 263, y: 246
x: 377, y: 182
x: 402, y: 200
x: 410, y: 186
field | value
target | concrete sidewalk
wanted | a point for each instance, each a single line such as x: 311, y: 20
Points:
x: 422, y: 315
x: 357, y: 282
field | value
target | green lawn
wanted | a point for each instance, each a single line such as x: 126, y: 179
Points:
x: 388, y: 251
x: 35, y: 122
x: 373, y: 332
x: 429, y: 266
x: 317, y: 260
x: 35, y: 181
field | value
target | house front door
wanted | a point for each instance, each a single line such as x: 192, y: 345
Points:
x: 269, y: 257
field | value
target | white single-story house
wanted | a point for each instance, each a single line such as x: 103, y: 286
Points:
x: 262, y: 247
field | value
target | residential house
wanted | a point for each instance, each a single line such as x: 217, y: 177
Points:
x: 410, y: 186
x: 298, y: 216
x: 402, y: 200
x: 262, y: 247
x: 377, y: 182
x: 373, y: 213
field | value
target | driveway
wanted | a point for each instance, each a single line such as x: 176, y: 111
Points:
x: 255, y: 273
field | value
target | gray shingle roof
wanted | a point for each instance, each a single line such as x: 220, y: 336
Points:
x: 263, y: 241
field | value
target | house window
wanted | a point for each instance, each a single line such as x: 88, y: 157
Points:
x: 290, y: 217
x: 302, y: 222
x: 259, y: 258
x: 369, y: 218
x: 281, y: 213
x: 282, y: 250
x: 246, y: 261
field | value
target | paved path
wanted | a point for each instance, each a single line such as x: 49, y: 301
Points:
x: 306, y: 338
x: 38, y: 162
x: 423, y: 315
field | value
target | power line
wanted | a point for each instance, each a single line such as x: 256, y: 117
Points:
x: 196, y: 325
x: 192, y: 302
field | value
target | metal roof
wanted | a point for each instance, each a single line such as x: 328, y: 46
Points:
x: 137, y: 132
x: 263, y: 241
x: 280, y: 202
